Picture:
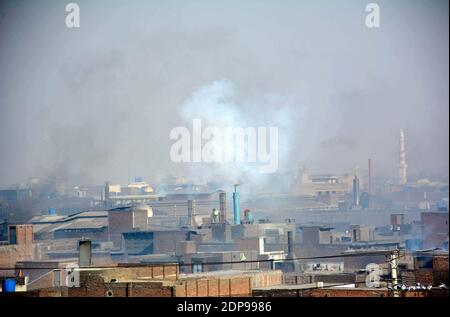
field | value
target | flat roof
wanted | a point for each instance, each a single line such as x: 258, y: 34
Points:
x: 296, y: 286
x: 84, y: 224
x: 226, y: 273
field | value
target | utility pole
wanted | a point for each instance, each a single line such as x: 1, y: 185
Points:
x: 394, y: 271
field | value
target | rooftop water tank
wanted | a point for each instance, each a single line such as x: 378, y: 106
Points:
x: 9, y: 285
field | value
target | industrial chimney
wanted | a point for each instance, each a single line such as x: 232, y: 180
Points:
x: 191, y: 212
x: 291, y: 264
x: 223, y: 207
x: 107, y: 195
x: 356, y: 191
x: 236, y: 211
x: 403, y: 166
x: 290, y: 245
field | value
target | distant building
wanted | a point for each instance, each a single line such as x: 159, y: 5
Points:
x: 124, y: 219
x: 397, y: 220
x: 434, y: 229
x: 365, y: 200
x: 323, y: 184
x: 14, y: 196
x: 87, y: 224
x: 153, y: 242
x: 362, y: 233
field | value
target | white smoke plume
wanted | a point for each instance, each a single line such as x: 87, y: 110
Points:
x: 221, y: 104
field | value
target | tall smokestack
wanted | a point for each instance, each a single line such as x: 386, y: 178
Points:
x: 236, y: 211
x: 356, y: 191
x: 291, y: 265
x: 369, y: 184
x: 402, y: 167
x: 191, y: 212
x: 107, y: 195
x: 290, y: 244
x: 223, y: 207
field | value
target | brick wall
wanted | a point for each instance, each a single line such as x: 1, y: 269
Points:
x: 10, y: 254
x: 24, y: 234
x: 440, y: 270
x: 323, y: 292
x: 424, y: 276
x: 128, y: 272
x: 297, y: 279
x: 240, y: 286
x: 119, y: 221
x: 355, y: 263
x: 207, y: 287
x: 434, y: 228
x: 440, y: 263
x: 94, y: 286
x: 213, y: 287
x: 305, y: 278
x: 185, y: 247
x: 247, y: 244
x: 266, y: 279
x: 166, y: 241
x: 21, y: 250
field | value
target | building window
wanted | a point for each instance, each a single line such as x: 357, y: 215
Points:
x: 424, y: 262
x: 197, y: 268
x: 12, y: 235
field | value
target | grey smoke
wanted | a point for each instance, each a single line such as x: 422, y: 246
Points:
x: 339, y: 141
x: 220, y: 104
x: 99, y: 102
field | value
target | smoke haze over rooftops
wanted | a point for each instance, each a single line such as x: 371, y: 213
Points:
x: 99, y: 102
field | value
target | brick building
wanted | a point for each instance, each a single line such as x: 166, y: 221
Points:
x: 20, y: 247
x: 127, y: 280
x: 154, y: 242
x: 434, y: 229
x: 125, y: 219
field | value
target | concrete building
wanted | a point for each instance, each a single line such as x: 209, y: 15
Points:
x: 126, y: 219
x: 320, y: 184
x: 88, y: 224
x: 362, y: 233
x: 153, y: 242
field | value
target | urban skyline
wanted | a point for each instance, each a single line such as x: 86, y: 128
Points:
x: 224, y: 151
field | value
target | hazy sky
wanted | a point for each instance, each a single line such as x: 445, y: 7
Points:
x: 98, y: 103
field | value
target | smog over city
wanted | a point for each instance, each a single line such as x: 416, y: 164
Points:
x: 275, y: 145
